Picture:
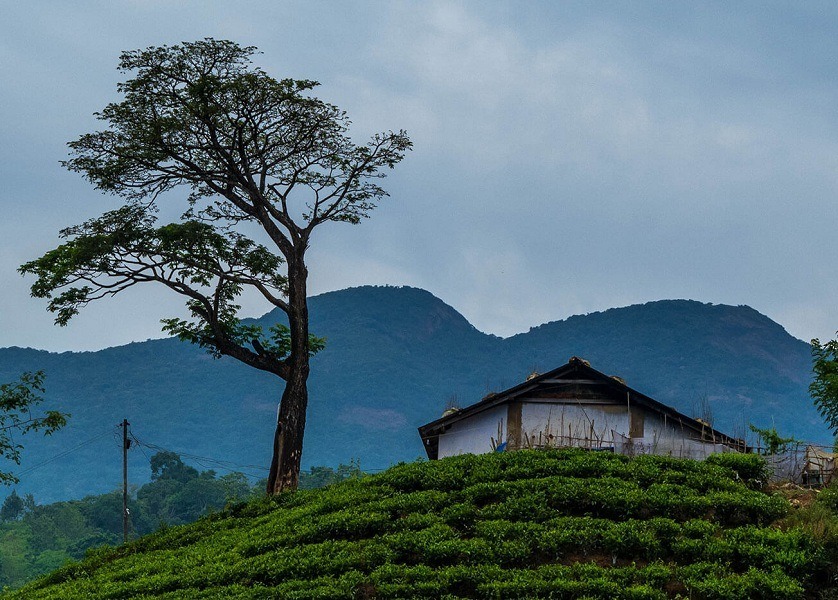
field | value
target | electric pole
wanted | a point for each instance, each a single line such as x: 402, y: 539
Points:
x: 125, y: 445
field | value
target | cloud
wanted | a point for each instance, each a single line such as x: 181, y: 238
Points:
x: 568, y: 157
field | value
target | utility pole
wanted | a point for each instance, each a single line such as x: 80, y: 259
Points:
x: 125, y: 445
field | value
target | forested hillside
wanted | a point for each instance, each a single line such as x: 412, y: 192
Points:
x: 394, y: 358
x: 36, y: 538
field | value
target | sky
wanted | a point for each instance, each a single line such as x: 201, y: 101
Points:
x: 568, y: 157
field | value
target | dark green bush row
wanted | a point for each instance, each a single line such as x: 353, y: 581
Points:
x: 614, y: 498
x: 462, y: 471
x: 561, y: 524
x: 582, y: 580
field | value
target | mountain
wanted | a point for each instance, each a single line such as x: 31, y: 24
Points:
x: 740, y: 363
x: 394, y: 358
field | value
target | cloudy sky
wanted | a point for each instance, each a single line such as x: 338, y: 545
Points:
x: 569, y: 157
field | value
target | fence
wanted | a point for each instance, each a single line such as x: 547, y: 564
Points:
x: 620, y: 444
x: 800, y: 463
x: 805, y: 464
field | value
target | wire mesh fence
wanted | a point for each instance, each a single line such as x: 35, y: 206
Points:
x: 800, y: 463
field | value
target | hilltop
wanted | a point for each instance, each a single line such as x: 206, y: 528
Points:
x: 394, y: 357
x: 558, y: 524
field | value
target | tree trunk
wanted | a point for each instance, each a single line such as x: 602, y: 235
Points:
x: 284, y: 474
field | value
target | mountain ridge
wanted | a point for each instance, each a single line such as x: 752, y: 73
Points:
x: 394, y: 357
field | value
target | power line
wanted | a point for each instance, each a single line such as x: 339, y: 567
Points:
x: 201, y: 460
x: 139, y: 445
x: 65, y: 453
x: 214, y: 462
x: 205, y: 458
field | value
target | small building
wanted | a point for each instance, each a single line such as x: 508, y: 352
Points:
x: 573, y: 406
x: 818, y: 466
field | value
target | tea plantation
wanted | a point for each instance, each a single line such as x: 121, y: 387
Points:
x: 555, y: 524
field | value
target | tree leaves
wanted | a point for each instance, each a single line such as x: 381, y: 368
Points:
x: 109, y: 254
x: 824, y: 387
x: 17, y: 400
x: 199, y: 114
x: 248, y: 149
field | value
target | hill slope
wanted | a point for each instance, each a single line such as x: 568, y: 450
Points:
x: 559, y: 524
x: 684, y: 353
x: 394, y: 356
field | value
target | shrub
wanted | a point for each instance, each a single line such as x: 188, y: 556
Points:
x: 750, y: 468
x: 513, y: 525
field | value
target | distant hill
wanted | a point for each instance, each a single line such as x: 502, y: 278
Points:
x: 394, y: 357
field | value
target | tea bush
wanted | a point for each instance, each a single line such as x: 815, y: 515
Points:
x: 557, y: 524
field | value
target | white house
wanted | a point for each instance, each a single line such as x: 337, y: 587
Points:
x: 574, y: 405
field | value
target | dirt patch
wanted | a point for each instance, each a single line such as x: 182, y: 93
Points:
x: 797, y: 496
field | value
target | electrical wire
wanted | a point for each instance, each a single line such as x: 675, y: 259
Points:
x: 214, y: 462
x: 65, y: 453
x: 202, y: 460
x: 139, y: 445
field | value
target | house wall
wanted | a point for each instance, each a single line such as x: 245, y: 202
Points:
x: 666, y: 436
x: 474, y: 434
x: 575, y: 423
x: 584, y: 424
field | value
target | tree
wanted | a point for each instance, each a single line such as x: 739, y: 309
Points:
x: 168, y: 465
x: 770, y: 440
x: 12, y: 508
x: 824, y: 386
x: 318, y: 477
x: 16, y: 403
x: 262, y: 159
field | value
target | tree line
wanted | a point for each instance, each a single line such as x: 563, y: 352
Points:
x: 38, y: 538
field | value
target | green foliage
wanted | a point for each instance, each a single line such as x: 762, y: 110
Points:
x: 600, y: 526
x: 16, y: 403
x: 824, y: 386
x: 318, y: 477
x: 40, y: 538
x: 710, y: 581
x: 168, y: 465
x: 749, y: 468
x: 12, y: 508
x: 819, y: 520
x: 770, y: 440
x: 35, y: 539
x: 247, y: 148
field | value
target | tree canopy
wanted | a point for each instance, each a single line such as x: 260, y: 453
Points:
x: 262, y: 162
x: 13, y: 507
x: 38, y: 538
x: 168, y: 465
x: 17, y: 399
x: 824, y: 386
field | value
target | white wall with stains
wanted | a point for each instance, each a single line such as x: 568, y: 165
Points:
x: 474, y: 434
x: 549, y: 424
x: 581, y: 424
x: 665, y: 436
